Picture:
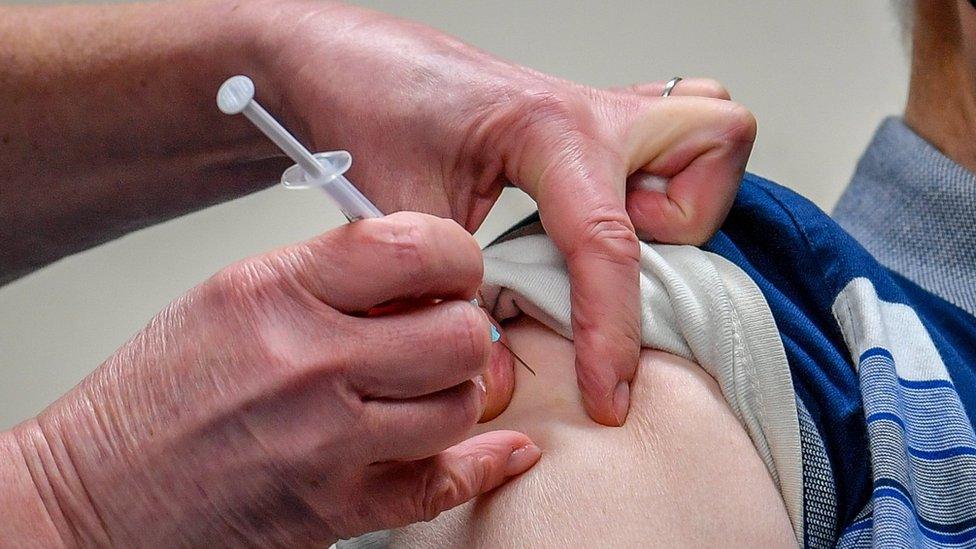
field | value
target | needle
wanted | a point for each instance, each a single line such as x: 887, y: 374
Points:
x: 496, y: 336
x: 527, y: 367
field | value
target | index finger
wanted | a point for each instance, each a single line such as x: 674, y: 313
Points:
x: 582, y: 206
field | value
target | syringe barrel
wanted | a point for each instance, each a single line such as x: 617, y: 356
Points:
x: 352, y: 203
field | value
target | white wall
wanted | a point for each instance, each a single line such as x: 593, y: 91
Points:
x: 818, y: 75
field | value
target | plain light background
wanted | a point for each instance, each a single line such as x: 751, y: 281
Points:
x: 818, y: 75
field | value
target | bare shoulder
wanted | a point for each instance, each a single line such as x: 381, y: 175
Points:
x: 681, y: 472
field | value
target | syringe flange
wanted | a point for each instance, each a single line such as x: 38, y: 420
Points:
x: 335, y: 163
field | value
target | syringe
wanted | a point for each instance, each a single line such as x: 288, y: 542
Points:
x: 324, y: 170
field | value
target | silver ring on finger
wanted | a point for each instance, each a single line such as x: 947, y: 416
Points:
x: 669, y: 87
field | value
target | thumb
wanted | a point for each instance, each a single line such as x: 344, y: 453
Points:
x: 408, y: 492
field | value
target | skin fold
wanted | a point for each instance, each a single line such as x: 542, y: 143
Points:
x: 680, y: 473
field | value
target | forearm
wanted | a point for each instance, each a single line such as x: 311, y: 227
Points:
x: 27, y: 519
x: 110, y: 122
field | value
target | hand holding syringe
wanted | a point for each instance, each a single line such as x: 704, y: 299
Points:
x: 324, y: 170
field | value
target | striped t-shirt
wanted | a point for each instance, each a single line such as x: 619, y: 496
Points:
x: 883, y: 372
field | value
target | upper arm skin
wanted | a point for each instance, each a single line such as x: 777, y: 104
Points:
x: 680, y: 473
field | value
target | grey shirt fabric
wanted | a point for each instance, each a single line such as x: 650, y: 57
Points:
x: 914, y: 209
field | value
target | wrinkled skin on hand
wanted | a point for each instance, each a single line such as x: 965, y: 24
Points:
x: 279, y: 404
x: 438, y: 126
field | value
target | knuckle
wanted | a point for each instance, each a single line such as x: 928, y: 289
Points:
x: 437, y: 492
x: 741, y: 123
x: 714, y: 88
x: 402, y: 239
x: 534, y: 112
x: 548, y: 106
x: 246, y: 282
x: 552, y: 123
x: 642, y: 88
x: 693, y: 225
x: 266, y: 301
x: 249, y: 302
x: 611, y: 236
x: 448, y: 487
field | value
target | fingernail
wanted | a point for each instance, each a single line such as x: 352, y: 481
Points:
x: 495, y: 336
x: 479, y: 382
x: 621, y: 401
x: 521, y: 459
